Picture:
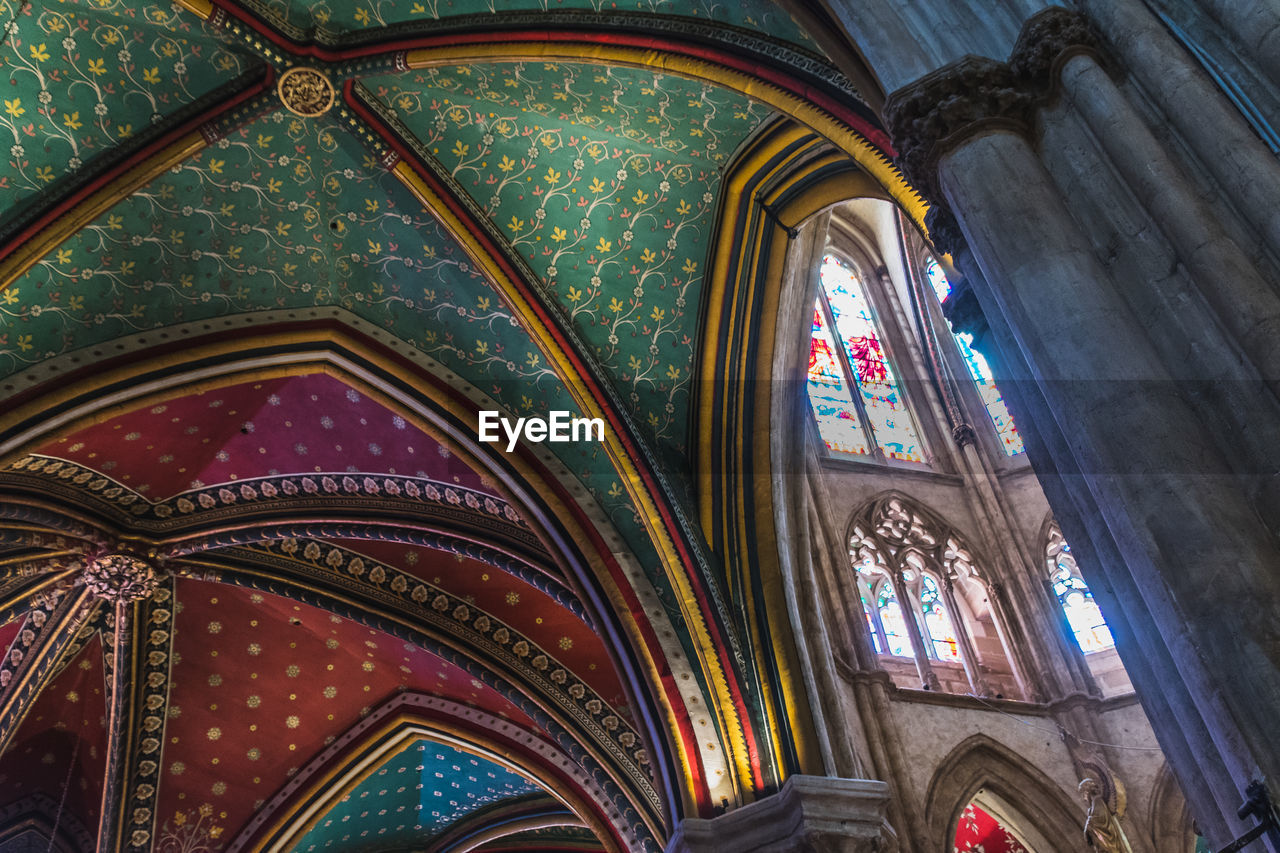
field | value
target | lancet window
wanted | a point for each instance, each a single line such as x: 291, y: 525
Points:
x: 1083, y: 615
x: 853, y: 389
x: 979, y: 369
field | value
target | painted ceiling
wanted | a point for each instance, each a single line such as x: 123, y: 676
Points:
x: 413, y: 798
x: 604, y: 180
x: 87, y: 77
x: 292, y: 425
x: 290, y: 213
x: 59, y: 751
x: 331, y: 20
x: 261, y: 684
x: 520, y: 604
x: 599, y: 185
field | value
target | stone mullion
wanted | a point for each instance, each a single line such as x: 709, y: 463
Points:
x: 47, y: 635
x: 968, y: 652
x: 877, y: 623
x: 928, y: 679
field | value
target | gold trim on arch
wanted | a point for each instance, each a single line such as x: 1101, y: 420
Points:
x: 745, y: 255
x: 385, y: 741
x: 321, y: 360
x: 732, y: 736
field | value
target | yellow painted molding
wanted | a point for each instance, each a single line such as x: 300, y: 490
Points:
x: 201, y: 8
x: 673, y: 567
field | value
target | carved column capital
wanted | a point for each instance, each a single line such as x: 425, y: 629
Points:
x: 946, y: 107
x: 811, y: 814
x: 939, y: 111
x: 964, y: 435
x: 1047, y: 40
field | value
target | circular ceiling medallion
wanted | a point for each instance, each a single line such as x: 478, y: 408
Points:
x: 305, y: 91
x: 120, y: 577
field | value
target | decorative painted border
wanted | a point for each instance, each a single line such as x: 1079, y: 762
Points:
x: 153, y: 641
x: 411, y: 490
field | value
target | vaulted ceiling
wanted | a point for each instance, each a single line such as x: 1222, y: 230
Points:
x: 258, y: 574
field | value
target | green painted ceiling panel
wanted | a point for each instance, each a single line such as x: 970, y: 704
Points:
x: 604, y: 179
x: 331, y: 19
x: 416, y: 795
x: 291, y: 213
x: 86, y: 77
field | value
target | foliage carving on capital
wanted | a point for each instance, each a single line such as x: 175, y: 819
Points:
x: 943, y: 109
x: 1047, y: 40
x: 940, y: 110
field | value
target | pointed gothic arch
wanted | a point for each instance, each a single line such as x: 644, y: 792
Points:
x: 978, y: 765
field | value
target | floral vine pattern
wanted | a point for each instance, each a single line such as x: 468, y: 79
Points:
x: 604, y: 179
x: 286, y: 213
x: 86, y: 75
x: 341, y: 17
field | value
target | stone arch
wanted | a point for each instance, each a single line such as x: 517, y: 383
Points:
x: 1169, y: 816
x: 408, y: 717
x: 576, y: 532
x: 982, y: 766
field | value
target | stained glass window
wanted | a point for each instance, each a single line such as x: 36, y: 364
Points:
x: 979, y: 370
x: 1083, y: 614
x: 979, y: 832
x: 891, y: 617
x: 937, y: 279
x: 855, y: 396
x: 871, y: 627
x: 829, y: 393
x: 942, y: 634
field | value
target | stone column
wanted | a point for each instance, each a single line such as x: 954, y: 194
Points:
x: 811, y: 814
x: 1256, y: 23
x: 968, y: 652
x: 1198, y: 560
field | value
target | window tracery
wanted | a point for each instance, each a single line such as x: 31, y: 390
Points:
x: 855, y: 395
x: 979, y: 369
x: 913, y: 573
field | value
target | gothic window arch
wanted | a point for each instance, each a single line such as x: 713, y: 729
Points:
x: 979, y: 369
x: 1084, y: 617
x: 854, y: 388
x: 918, y: 584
